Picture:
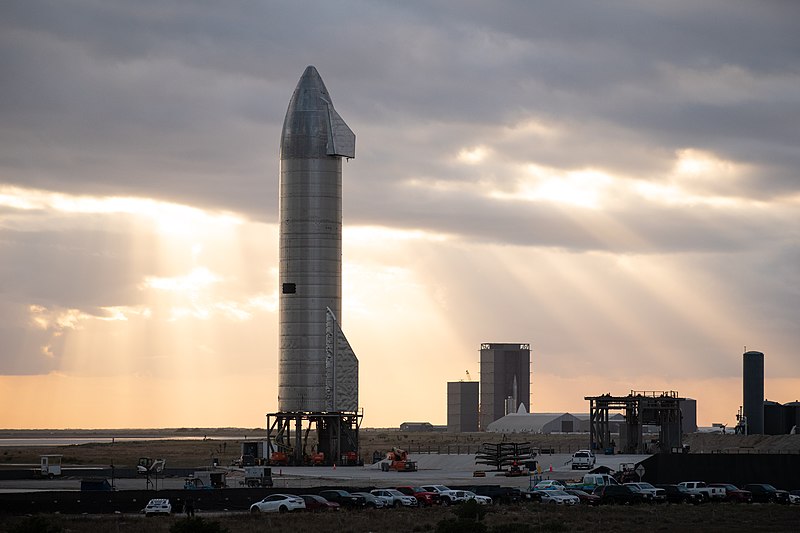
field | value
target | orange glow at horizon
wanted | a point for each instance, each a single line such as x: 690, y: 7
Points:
x: 194, y: 341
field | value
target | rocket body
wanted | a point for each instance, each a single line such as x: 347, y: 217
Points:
x: 313, y: 141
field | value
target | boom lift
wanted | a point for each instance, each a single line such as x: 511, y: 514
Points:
x: 397, y: 460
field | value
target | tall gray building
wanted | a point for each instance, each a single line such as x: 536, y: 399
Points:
x: 505, y: 379
x: 688, y: 407
x: 753, y: 391
x: 462, y: 406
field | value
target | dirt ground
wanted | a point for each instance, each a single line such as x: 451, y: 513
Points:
x: 225, y: 444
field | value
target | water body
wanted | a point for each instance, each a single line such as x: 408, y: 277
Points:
x: 69, y: 441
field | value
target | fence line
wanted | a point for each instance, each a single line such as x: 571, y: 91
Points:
x: 471, y: 449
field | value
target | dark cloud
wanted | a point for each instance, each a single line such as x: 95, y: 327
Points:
x: 184, y: 102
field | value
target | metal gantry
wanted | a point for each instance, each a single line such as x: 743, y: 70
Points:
x: 640, y: 408
x: 337, y: 435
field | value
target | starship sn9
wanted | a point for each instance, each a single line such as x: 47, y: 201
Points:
x: 318, y: 371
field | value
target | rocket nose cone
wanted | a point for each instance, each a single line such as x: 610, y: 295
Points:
x: 311, y: 81
x: 310, y: 71
x: 309, y: 89
x: 312, y: 128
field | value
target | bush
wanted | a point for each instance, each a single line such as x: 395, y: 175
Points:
x: 515, y: 527
x: 555, y: 527
x: 470, y: 510
x: 36, y: 524
x: 460, y: 525
x: 196, y: 525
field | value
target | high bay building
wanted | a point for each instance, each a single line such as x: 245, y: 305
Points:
x: 505, y: 380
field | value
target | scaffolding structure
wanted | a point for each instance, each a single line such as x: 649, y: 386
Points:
x: 336, y: 432
x: 640, y: 408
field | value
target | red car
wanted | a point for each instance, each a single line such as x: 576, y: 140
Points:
x: 318, y: 503
x: 734, y: 493
x: 585, y: 497
x: 423, y: 496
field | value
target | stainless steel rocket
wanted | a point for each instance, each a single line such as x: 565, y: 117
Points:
x: 318, y: 371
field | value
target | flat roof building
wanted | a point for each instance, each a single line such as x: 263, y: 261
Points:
x: 462, y: 406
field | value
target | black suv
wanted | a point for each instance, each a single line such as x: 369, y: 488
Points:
x: 764, y: 492
x: 677, y: 494
x: 618, y: 494
x: 344, y: 498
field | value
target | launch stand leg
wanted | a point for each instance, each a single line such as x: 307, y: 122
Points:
x: 337, y: 436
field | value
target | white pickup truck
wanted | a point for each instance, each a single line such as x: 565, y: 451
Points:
x: 700, y: 487
x: 583, y: 459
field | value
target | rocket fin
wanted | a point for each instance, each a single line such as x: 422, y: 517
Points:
x: 341, y: 369
x: 341, y: 139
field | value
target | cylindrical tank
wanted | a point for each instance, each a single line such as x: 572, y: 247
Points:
x: 774, y: 418
x: 791, y: 415
x: 753, y: 391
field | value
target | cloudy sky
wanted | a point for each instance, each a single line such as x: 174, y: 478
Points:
x: 615, y: 183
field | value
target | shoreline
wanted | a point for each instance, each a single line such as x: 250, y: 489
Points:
x: 130, y: 432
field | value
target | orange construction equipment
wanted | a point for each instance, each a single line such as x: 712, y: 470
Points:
x: 318, y: 459
x: 278, y: 459
x: 351, y: 458
x: 398, y: 461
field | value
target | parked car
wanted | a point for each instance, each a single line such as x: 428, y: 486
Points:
x: 344, y: 498
x: 618, y: 494
x: 655, y: 494
x: 446, y: 494
x: 498, y: 494
x: 549, y: 484
x: 483, y: 500
x: 764, y: 492
x: 532, y: 495
x: 592, y: 481
x: 278, y: 503
x: 157, y: 506
x: 706, y: 491
x: 584, y: 497
x: 583, y: 459
x: 559, y: 497
x: 733, y: 493
x: 460, y: 496
x: 647, y: 497
x: 423, y: 496
x: 794, y: 496
x: 318, y: 503
x: 678, y: 494
x: 373, y: 501
x: 397, y: 498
